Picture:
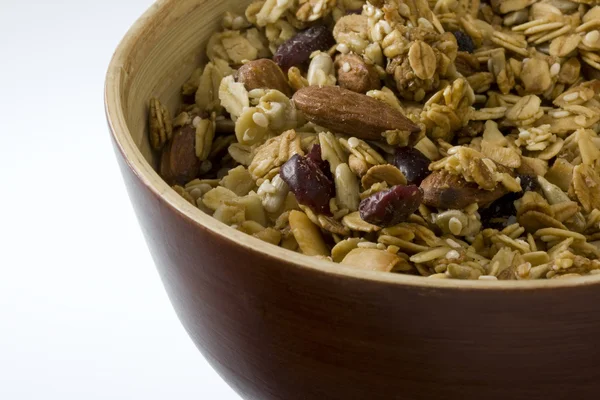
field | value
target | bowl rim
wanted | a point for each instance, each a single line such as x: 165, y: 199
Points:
x: 150, y: 178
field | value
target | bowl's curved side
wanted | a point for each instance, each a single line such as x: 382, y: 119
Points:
x: 276, y: 330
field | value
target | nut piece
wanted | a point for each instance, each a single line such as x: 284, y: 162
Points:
x: 444, y: 190
x: 179, y: 164
x: 371, y: 259
x: 161, y: 126
x: 344, y: 111
x: 307, y: 235
x: 354, y: 74
x: 263, y: 74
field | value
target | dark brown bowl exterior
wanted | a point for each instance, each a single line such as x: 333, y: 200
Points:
x: 276, y: 331
x: 285, y: 327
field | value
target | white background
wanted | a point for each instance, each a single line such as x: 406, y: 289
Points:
x: 83, y: 314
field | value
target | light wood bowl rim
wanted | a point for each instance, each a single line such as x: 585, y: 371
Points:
x: 146, y: 174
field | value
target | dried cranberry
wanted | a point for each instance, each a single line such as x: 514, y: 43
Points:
x: 465, y: 43
x: 297, y: 50
x: 412, y: 163
x: 314, y: 155
x: 309, y: 182
x: 392, y: 206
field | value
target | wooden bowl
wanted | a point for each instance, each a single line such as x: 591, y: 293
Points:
x: 280, y: 325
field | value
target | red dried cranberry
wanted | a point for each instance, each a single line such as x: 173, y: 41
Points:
x: 315, y: 156
x: 392, y: 206
x: 309, y: 183
x: 412, y: 163
x: 297, y: 50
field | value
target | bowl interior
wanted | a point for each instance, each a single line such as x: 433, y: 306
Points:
x: 163, y: 55
x: 155, y: 58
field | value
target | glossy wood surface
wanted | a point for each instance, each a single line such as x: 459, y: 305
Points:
x: 278, y: 325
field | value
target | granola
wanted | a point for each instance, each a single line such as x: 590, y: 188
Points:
x: 448, y: 139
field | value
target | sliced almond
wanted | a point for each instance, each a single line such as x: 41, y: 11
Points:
x: 356, y: 223
x: 342, y: 248
x: 371, y: 259
x: 307, y: 235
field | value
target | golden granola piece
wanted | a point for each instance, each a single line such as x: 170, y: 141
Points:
x: 534, y: 220
x: 332, y: 225
x: 205, y: 133
x: 564, y: 45
x: 297, y: 81
x: 422, y: 60
x: 312, y: 10
x: 274, y: 153
x: 161, y: 126
x: 448, y: 110
x: 561, y: 174
x: 586, y: 187
x: 356, y: 223
x: 502, y: 155
x: 346, y: 187
x: 351, y: 31
x: 525, y: 111
x: 383, y: 173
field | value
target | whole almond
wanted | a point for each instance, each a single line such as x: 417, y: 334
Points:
x: 444, y: 190
x: 263, y: 73
x: 356, y: 75
x: 344, y: 111
x: 179, y: 163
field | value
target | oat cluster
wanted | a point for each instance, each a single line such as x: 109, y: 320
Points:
x: 448, y: 139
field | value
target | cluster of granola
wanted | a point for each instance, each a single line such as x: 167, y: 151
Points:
x: 448, y: 139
